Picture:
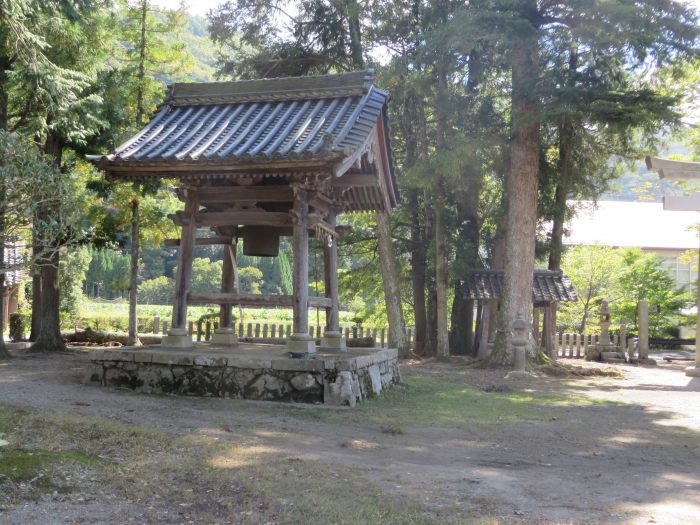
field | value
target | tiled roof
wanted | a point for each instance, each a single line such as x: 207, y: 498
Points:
x: 259, y: 119
x: 547, y: 286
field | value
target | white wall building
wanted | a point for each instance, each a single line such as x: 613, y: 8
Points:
x: 643, y: 225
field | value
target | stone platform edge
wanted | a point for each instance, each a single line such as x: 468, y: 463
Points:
x: 342, y: 379
x: 348, y: 361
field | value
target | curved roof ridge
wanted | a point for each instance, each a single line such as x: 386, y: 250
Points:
x: 271, y: 89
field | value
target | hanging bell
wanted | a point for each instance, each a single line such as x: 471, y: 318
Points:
x: 261, y: 241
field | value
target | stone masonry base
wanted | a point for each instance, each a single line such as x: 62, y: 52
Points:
x: 249, y: 371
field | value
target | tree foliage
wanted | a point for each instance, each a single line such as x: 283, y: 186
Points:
x: 623, y: 277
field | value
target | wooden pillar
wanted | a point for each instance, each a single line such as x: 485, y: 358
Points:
x: 332, y: 338
x: 227, y: 284
x: 486, y: 325
x: 549, y: 330
x: 177, y: 335
x: 476, y: 340
x: 300, y: 341
x: 224, y: 333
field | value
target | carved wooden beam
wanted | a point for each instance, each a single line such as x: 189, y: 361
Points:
x: 356, y: 179
x: 231, y: 194
x: 234, y: 218
x: 202, y: 241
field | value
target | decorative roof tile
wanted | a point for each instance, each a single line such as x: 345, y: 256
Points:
x: 547, y: 286
x: 300, y: 117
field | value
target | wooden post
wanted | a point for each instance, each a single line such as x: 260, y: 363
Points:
x: 643, y: 325
x: 484, y: 349
x: 301, y: 341
x: 549, y: 332
x: 177, y: 335
x: 330, y: 259
x: 224, y: 333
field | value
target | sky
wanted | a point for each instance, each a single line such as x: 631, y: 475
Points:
x: 201, y: 7
x: 196, y: 7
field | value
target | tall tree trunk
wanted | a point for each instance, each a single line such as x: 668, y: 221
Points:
x: 48, y: 337
x: 463, y: 341
x: 141, y: 74
x: 442, y: 347
x: 431, y: 294
x: 355, y: 32
x: 133, y: 336
x: 4, y: 65
x: 565, y: 164
x: 556, y: 246
x: 521, y: 184
x: 392, y: 292
x: 3, y: 348
x: 497, y: 261
x: 567, y: 145
x: 36, y: 299
x: 462, y: 317
x: 418, y: 268
x: 390, y: 277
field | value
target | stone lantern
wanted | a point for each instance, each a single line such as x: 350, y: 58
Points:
x: 519, y: 339
x: 604, y: 313
x: 605, y: 350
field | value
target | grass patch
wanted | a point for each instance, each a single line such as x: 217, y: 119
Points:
x: 429, y: 401
x: 205, y: 479
x: 24, y: 465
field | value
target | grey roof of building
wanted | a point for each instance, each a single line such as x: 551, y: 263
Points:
x: 547, y: 286
x: 266, y: 119
x: 275, y: 126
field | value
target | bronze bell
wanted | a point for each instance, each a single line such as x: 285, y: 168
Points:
x: 261, y: 241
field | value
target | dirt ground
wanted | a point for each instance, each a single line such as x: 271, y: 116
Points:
x: 621, y: 450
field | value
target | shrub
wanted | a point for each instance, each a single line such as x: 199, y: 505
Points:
x: 20, y: 323
x: 157, y: 291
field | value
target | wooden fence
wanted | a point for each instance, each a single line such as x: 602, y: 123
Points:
x: 574, y: 345
x: 567, y: 344
x: 203, y: 330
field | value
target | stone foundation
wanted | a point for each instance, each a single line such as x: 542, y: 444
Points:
x: 262, y: 372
